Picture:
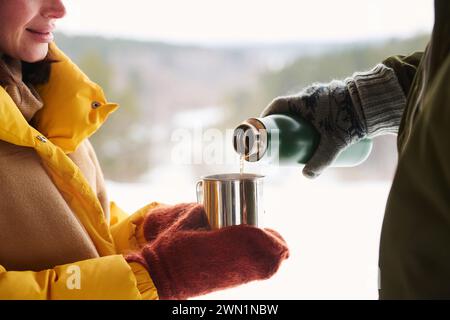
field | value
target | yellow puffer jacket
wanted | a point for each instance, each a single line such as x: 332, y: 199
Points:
x: 55, y: 135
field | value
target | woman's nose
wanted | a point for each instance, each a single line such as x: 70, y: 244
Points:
x: 54, y: 9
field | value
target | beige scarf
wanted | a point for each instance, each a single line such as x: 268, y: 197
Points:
x: 24, y: 95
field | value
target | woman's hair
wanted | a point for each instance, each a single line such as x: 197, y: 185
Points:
x: 37, y: 73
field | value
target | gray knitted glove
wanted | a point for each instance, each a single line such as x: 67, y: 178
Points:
x: 343, y: 112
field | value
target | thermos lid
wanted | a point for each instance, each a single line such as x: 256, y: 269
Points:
x: 250, y: 139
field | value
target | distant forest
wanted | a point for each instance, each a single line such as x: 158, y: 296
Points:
x: 154, y: 81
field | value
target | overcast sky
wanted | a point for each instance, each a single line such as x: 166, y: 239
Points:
x: 229, y: 21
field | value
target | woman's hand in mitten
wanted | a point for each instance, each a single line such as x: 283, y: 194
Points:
x: 188, y: 259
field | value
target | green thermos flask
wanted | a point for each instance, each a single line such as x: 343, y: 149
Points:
x: 289, y: 140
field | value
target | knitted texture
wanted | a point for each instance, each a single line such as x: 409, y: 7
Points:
x: 343, y: 112
x: 183, y: 216
x: 380, y: 96
x: 187, y: 259
x: 25, y: 96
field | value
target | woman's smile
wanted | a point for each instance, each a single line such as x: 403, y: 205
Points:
x: 42, y: 36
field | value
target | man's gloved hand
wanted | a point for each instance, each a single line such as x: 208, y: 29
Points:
x: 185, y: 258
x: 343, y: 112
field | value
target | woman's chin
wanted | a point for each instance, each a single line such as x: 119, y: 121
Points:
x: 35, y: 54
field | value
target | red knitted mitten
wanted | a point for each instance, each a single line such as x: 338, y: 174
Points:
x: 187, y: 259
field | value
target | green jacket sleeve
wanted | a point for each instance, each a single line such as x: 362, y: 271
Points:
x: 405, y: 68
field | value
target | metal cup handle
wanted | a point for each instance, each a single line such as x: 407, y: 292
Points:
x: 199, y: 191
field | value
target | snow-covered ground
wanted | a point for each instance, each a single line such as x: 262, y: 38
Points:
x: 332, y: 229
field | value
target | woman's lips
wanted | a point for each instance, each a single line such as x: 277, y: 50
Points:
x: 44, y: 37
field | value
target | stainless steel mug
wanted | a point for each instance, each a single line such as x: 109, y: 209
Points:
x: 231, y: 199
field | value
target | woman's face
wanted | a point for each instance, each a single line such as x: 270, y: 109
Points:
x: 26, y: 27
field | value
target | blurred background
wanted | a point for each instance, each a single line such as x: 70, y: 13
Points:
x: 185, y: 73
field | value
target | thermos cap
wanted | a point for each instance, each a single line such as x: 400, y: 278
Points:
x: 250, y: 139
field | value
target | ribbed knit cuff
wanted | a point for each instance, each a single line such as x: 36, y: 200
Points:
x: 158, y: 273
x: 379, y: 95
